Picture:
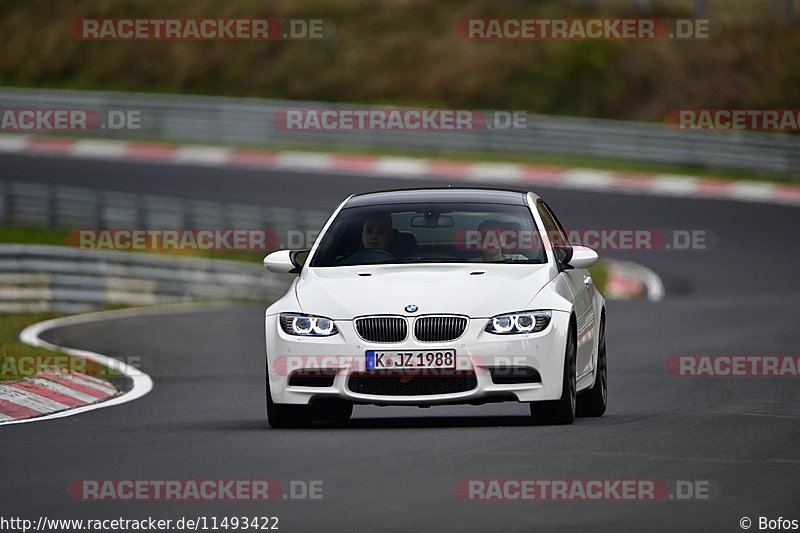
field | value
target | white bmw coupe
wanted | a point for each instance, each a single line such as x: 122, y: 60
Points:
x: 436, y: 296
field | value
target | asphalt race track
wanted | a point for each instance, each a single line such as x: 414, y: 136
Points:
x: 395, y: 469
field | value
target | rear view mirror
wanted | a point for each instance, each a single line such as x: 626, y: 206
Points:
x: 442, y: 221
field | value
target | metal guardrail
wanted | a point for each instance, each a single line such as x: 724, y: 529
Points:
x: 68, y: 207
x: 36, y: 278
x: 186, y: 118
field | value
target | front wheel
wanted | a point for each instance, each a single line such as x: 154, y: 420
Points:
x: 286, y: 416
x: 593, y: 402
x: 561, y: 411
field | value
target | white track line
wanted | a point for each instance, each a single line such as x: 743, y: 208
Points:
x: 202, y: 155
x: 408, y: 167
x: 587, y: 179
x: 97, y: 149
x: 13, y: 143
x: 304, y: 161
x: 496, y: 172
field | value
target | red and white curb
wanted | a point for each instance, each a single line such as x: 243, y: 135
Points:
x: 49, y: 393
x: 628, y: 281
x: 57, y: 395
x: 514, y: 174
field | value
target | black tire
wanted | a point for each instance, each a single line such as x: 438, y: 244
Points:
x: 286, y: 416
x: 333, y: 410
x: 593, y: 401
x: 561, y: 411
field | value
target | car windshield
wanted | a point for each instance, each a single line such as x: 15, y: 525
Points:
x: 431, y: 233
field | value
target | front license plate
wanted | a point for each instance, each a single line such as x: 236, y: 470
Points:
x: 380, y: 360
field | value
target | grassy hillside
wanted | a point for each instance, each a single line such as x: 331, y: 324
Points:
x: 406, y: 52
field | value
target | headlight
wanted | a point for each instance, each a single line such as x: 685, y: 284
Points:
x: 522, y: 322
x: 307, y: 325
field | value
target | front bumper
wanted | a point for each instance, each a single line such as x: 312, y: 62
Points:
x: 476, y: 351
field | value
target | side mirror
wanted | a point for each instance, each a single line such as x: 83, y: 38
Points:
x: 582, y: 257
x: 286, y: 261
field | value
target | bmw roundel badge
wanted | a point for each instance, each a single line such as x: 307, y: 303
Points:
x: 411, y: 308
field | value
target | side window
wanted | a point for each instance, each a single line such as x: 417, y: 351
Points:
x: 555, y: 233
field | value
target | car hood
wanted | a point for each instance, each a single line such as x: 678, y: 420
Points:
x: 473, y: 290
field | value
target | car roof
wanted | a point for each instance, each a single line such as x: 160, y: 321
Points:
x: 440, y: 194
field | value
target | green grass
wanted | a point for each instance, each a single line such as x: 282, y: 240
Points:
x: 17, y: 358
x: 599, y: 273
x: 9, y: 235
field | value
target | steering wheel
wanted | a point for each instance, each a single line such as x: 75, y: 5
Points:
x: 369, y: 255
x: 436, y: 255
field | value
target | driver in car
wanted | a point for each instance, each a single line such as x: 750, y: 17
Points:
x: 377, y: 233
